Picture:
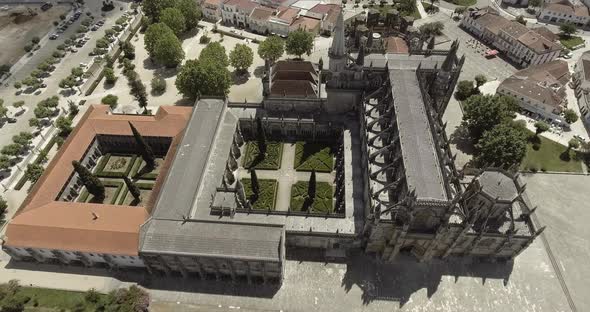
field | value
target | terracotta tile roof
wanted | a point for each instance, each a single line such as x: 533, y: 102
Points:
x: 514, y: 29
x: 261, y: 13
x: 490, y: 20
x: 69, y: 217
x: 322, y: 8
x: 547, y: 33
x: 293, y: 88
x: 396, y: 45
x: 306, y: 23
x: 294, y: 78
x: 333, y: 15
x: 544, y: 83
x: 288, y: 14
x: 538, y: 43
x: 213, y: 2
x: 245, y: 5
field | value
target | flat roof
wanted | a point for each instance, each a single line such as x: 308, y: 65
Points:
x: 213, y: 239
x: 423, y: 172
x: 186, y: 173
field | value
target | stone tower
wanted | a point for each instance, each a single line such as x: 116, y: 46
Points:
x: 337, y: 52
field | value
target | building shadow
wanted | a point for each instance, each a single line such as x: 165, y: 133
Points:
x: 398, y: 281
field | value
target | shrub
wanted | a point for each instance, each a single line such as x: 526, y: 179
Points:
x: 62, y: 17
x: 158, y: 85
x: 35, y: 40
x: 110, y: 100
x: 28, y: 47
x: 204, y: 39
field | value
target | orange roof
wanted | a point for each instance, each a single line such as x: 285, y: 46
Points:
x: 44, y: 222
x: 306, y: 23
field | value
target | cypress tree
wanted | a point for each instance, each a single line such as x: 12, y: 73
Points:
x: 261, y: 137
x: 92, y: 183
x: 132, y: 187
x: 311, y: 186
x: 143, y: 148
x: 255, y: 186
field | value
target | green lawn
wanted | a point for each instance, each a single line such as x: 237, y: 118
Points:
x: 571, y: 42
x: 323, y: 197
x: 464, y: 3
x: 42, y: 299
x: 547, y: 158
x: 383, y: 10
x: 272, y: 159
x: 318, y: 156
x: 267, y: 197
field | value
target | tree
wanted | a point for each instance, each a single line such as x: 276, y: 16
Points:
x: 3, y: 111
x: 535, y: 3
x: 128, y: 50
x: 13, y: 149
x: 214, y: 52
x: 42, y: 112
x: 4, y: 164
x: 241, y: 57
x: 271, y: 49
x: 431, y: 29
x: 168, y: 51
x: 459, y: 10
x: 520, y: 19
x: 174, y: 19
x: 163, y: 46
x: 573, y: 143
x: 90, y: 181
x: 18, y: 104
x: 34, y: 172
x: 143, y: 148
x: 480, y: 80
x: 311, y: 186
x: 34, y: 122
x: 190, y: 10
x: 152, y: 8
x: 299, y: 42
x: 64, y: 125
x: 503, y: 146
x: 77, y: 72
x: 464, y: 89
x: 154, y: 33
x: 255, y: 186
x: 570, y: 116
x: 68, y: 83
x: 567, y: 29
x: 110, y: 100
x: 102, y: 43
x: 483, y: 112
x: 139, y: 92
x: 133, y: 189
x: 18, y: 85
x: 109, y: 75
x: 158, y: 85
x: 541, y: 127
x: 198, y: 78
x: 260, y: 138
x: 23, y: 139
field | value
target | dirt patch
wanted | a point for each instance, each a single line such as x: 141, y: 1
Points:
x: 20, y: 23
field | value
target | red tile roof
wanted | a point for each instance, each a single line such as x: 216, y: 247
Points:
x: 44, y: 222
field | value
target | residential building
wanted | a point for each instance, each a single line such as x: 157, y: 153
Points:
x: 540, y: 89
x: 581, y: 82
x: 212, y: 9
x: 276, y: 3
x: 279, y: 24
x: 327, y: 13
x: 259, y: 19
x: 308, y: 24
x: 564, y: 11
x: 237, y: 12
x: 522, y: 45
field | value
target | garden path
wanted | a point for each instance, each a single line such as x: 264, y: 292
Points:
x: 286, y: 176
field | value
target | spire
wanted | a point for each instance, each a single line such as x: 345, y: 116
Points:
x: 360, y: 59
x: 338, y: 49
x: 450, y: 60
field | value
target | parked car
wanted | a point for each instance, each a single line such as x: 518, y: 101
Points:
x: 53, y: 36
